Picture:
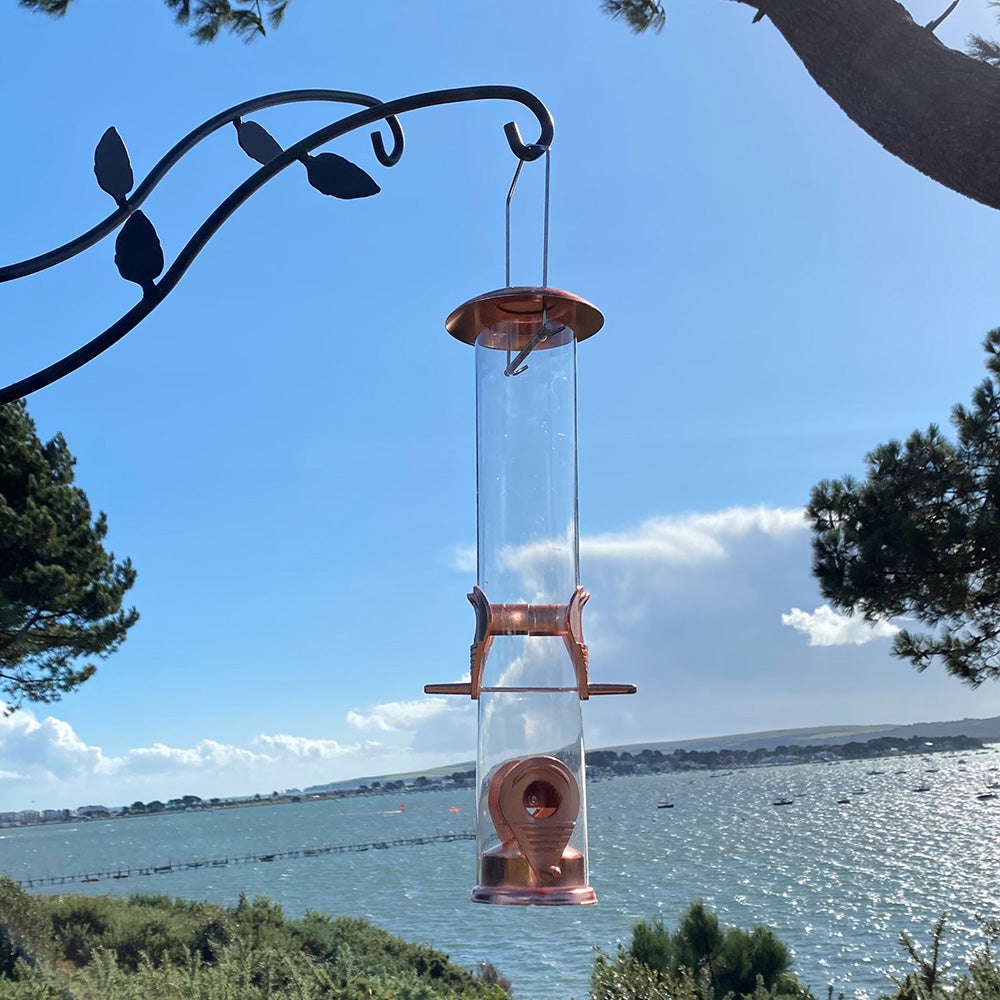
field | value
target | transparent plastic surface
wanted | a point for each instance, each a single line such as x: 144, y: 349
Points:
x: 527, y: 482
x: 531, y: 828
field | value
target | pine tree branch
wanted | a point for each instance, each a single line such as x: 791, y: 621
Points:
x: 932, y: 25
x: 639, y: 15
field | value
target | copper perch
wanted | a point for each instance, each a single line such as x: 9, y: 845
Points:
x: 563, y: 620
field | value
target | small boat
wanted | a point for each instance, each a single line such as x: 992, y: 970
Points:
x: 121, y: 875
x: 782, y: 802
x: 266, y: 857
x: 843, y: 802
x: 665, y: 805
x: 987, y: 795
x: 922, y: 787
x: 90, y: 880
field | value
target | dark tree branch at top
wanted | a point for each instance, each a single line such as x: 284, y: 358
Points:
x: 933, y: 25
x: 935, y: 108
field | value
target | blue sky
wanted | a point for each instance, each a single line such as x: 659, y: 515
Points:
x: 286, y: 447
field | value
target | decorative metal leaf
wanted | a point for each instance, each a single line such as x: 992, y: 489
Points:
x: 257, y: 142
x: 332, y: 174
x: 112, y: 166
x: 138, y: 254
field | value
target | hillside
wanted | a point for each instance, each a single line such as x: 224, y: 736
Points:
x: 987, y: 730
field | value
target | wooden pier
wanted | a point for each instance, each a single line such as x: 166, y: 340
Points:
x: 248, y: 859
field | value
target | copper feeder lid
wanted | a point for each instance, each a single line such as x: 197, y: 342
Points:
x: 525, y: 305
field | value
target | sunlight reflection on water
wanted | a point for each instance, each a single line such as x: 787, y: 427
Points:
x: 837, y: 881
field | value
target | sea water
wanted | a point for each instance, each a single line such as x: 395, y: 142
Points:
x: 837, y: 881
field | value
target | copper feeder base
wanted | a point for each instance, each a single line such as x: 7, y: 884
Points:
x: 581, y: 895
x: 534, y: 804
x: 507, y: 880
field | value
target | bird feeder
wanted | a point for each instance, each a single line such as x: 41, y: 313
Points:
x: 529, y: 663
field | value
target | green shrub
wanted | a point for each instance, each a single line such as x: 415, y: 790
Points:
x: 625, y: 978
x: 78, y: 924
x: 928, y: 980
x: 718, y: 962
x: 152, y: 947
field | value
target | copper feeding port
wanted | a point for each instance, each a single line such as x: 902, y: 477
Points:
x: 534, y: 805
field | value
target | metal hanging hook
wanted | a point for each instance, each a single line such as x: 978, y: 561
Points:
x: 545, y: 331
x: 517, y: 366
x: 510, y: 194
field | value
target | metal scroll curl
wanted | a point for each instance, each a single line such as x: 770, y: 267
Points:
x: 138, y: 253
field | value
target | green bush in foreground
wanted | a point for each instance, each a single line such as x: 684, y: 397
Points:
x: 153, y: 947
x: 928, y: 980
x: 701, y: 960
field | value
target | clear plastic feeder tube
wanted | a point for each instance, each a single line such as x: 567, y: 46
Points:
x: 529, y: 668
x: 528, y: 554
x: 531, y: 829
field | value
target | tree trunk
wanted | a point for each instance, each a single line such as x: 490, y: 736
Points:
x: 936, y: 109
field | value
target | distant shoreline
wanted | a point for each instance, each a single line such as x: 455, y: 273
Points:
x: 601, y: 765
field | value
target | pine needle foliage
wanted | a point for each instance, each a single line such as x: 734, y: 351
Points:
x: 57, y: 8
x: 61, y: 592
x: 639, y: 15
x: 701, y: 960
x: 919, y: 538
x: 931, y: 979
x: 247, y: 19
x: 985, y: 48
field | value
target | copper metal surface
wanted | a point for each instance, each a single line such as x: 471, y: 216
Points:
x: 508, y: 318
x: 581, y: 895
x: 565, y: 620
x: 534, y: 805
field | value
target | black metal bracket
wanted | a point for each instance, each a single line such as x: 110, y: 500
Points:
x: 138, y: 254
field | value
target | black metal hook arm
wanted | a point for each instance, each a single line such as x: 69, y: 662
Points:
x: 154, y: 293
x: 21, y: 269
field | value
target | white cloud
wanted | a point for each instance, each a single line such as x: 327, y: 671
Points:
x: 304, y: 748
x: 463, y: 559
x: 392, y: 716
x: 692, y: 539
x: 48, y: 748
x: 688, y: 607
x: 205, y: 755
x: 826, y: 627
x: 48, y: 757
